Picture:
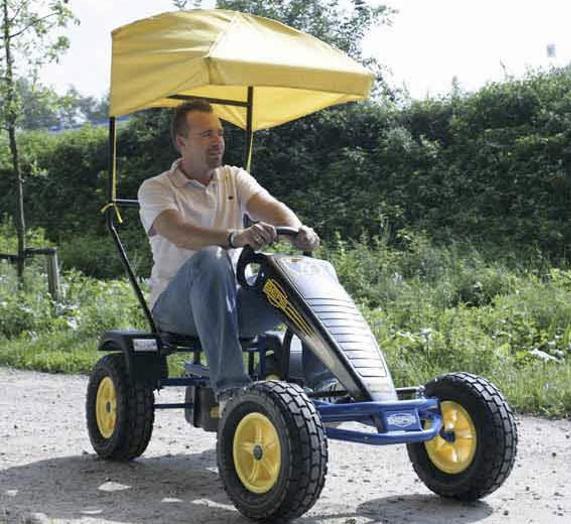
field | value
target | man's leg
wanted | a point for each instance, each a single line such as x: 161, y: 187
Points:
x: 201, y: 301
x: 256, y: 315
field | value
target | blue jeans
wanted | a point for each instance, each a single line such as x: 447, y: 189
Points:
x: 204, y: 299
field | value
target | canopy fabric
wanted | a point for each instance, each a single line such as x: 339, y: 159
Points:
x: 218, y: 53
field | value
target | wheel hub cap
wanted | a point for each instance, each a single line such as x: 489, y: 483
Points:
x: 257, y: 453
x: 106, y: 407
x: 453, y: 450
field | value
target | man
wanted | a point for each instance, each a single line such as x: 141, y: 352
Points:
x: 193, y: 215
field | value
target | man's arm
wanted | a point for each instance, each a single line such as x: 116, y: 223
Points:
x: 173, y: 226
x: 262, y: 206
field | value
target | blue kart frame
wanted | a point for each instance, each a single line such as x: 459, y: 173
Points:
x: 398, y: 422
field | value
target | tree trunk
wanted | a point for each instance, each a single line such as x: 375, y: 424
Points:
x: 10, y: 118
x: 20, y: 220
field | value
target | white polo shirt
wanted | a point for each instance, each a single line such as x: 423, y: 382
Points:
x: 221, y: 204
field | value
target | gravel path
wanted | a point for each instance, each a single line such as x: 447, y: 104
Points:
x: 49, y: 473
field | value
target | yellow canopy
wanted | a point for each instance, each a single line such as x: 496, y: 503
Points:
x: 218, y: 54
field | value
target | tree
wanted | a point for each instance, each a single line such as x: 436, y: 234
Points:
x: 38, y: 103
x: 89, y: 107
x: 43, y: 108
x: 29, y: 38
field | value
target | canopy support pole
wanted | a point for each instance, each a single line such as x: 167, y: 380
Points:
x: 111, y: 211
x: 249, y: 130
x: 112, y: 159
x: 210, y: 100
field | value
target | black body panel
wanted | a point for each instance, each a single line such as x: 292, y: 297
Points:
x: 323, y: 316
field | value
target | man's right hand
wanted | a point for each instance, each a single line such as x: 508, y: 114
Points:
x: 257, y: 236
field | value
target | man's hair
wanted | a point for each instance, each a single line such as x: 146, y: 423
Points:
x: 179, y: 127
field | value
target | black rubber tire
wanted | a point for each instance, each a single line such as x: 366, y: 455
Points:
x: 135, y: 411
x: 496, y: 434
x: 303, y: 451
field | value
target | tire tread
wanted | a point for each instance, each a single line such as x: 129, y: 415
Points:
x: 308, y: 453
x: 497, y: 440
x: 135, y: 408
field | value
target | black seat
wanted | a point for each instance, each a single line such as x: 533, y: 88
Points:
x: 193, y: 343
x: 177, y: 339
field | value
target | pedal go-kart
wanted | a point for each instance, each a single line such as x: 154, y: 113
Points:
x: 272, y: 437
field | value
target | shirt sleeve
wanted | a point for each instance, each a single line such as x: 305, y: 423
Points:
x: 246, y: 187
x: 154, y: 198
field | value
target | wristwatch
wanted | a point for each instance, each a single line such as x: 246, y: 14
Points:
x: 231, y: 238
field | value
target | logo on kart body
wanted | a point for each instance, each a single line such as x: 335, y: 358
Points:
x: 145, y: 344
x: 277, y: 297
x: 402, y: 420
x: 309, y: 267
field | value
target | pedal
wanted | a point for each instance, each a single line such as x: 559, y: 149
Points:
x: 205, y: 413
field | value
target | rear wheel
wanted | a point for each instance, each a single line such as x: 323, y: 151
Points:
x: 120, y: 413
x: 272, y: 451
x: 475, y: 451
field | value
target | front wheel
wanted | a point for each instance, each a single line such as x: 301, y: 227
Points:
x: 475, y: 451
x: 120, y: 412
x: 272, y: 451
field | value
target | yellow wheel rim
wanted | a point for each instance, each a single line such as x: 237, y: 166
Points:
x: 455, y: 455
x: 257, y: 453
x: 106, y: 407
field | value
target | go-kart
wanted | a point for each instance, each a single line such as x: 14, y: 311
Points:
x: 272, y: 435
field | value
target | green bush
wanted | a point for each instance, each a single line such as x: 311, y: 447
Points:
x: 24, y: 313
x: 490, y: 167
x: 97, y: 256
x: 514, y: 328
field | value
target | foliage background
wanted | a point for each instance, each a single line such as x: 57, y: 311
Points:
x: 432, y: 309
x: 492, y: 168
x: 447, y: 219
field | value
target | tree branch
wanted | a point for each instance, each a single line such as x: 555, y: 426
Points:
x: 19, y: 8
x: 36, y: 21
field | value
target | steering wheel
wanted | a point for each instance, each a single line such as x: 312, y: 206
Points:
x: 249, y: 256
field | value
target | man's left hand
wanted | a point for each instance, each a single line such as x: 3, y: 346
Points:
x: 306, y: 239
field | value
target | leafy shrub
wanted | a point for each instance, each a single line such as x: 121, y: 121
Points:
x: 24, y: 313
x: 491, y: 167
x: 97, y: 256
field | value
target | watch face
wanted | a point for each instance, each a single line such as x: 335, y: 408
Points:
x: 231, y: 239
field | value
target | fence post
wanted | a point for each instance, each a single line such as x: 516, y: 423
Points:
x: 53, y: 273
x: 51, y: 264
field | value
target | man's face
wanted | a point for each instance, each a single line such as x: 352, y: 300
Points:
x: 204, y: 144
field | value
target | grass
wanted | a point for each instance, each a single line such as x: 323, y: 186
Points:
x: 432, y: 309
x: 63, y: 352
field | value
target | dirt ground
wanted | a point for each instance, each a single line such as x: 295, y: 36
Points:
x: 49, y: 473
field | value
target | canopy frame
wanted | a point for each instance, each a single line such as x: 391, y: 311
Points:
x: 113, y: 204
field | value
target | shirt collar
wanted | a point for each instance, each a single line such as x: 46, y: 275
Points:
x: 179, y: 179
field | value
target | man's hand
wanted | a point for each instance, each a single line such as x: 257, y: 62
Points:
x: 306, y: 239
x: 256, y: 236
x: 262, y: 234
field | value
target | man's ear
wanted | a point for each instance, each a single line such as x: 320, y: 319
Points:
x: 179, y: 143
